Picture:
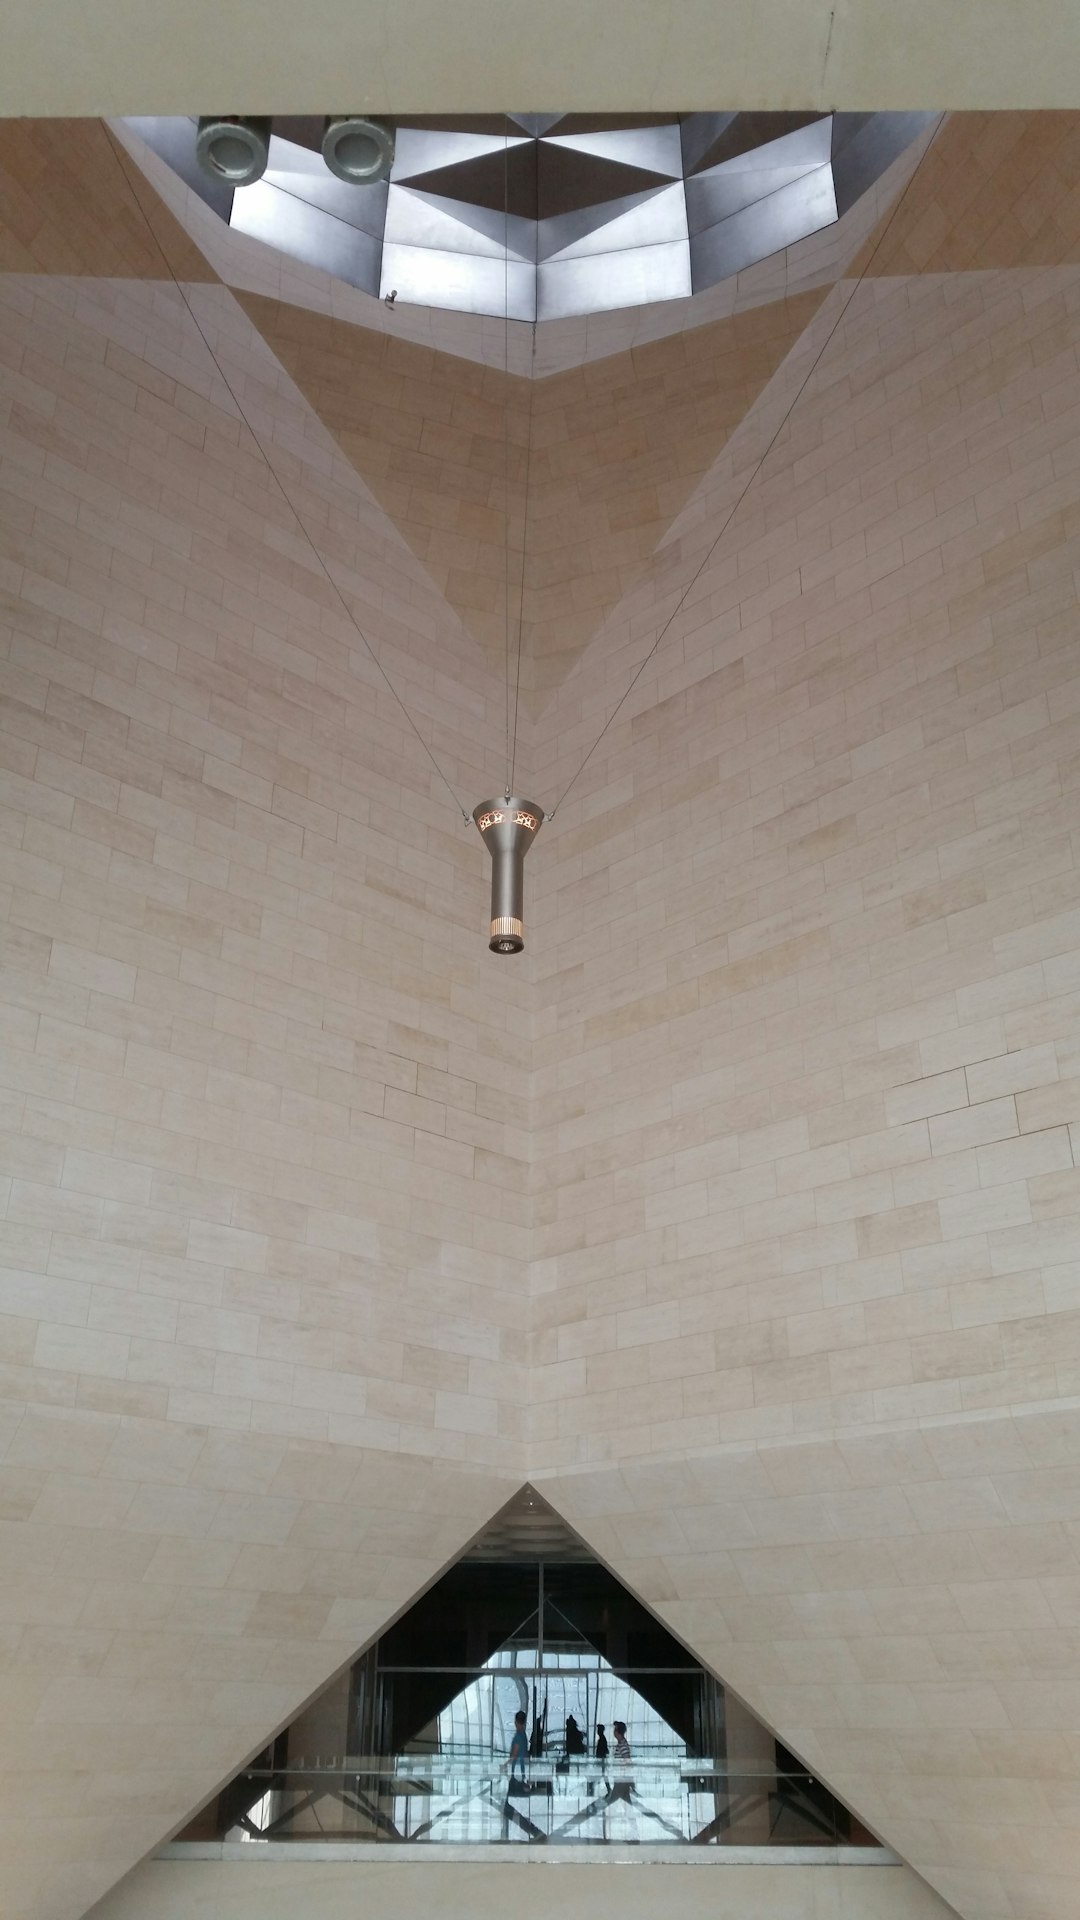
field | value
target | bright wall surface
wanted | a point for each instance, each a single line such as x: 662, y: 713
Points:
x: 262, y: 1308
x: 411, y: 1890
x: 806, y: 956
x: 806, y: 1081
x: 480, y: 57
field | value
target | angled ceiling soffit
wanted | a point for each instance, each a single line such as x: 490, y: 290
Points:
x: 616, y: 455
x: 68, y: 206
x: 996, y: 190
x: 440, y: 442
x: 589, y: 469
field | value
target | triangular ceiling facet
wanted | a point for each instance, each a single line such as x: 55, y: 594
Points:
x: 423, y: 150
x: 656, y: 148
x: 536, y: 123
x: 441, y: 443
x: 610, y: 463
x: 419, y: 219
x: 72, y: 202
x: 641, y: 220
x: 613, y: 465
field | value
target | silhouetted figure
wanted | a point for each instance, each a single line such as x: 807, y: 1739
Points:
x: 519, y: 1749
x: 601, y: 1742
x: 575, y: 1739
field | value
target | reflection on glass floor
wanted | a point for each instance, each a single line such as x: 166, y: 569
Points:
x: 692, y: 1803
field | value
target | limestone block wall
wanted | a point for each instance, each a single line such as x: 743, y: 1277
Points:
x: 262, y: 1095
x: 806, y: 1094
x: 743, y: 1210
x: 806, y: 960
x: 901, y: 1608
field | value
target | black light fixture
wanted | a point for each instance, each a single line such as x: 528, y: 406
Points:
x: 231, y: 149
x: 359, y: 151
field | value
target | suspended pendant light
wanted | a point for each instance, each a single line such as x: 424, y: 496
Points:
x: 508, y: 829
x: 509, y: 826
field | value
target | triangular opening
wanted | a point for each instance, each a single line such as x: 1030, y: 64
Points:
x: 528, y: 1697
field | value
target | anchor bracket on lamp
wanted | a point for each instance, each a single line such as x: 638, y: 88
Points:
x: 508, y: 828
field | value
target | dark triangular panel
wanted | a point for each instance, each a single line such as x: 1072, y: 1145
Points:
x: 844, y: 128
x: 569, y: 180
x: 536, y: 123
x: 700, y: 133
x: 503, y: 178
x: 423, y: 151
x: 868, y: 150
x: 656, y: 149
x: 741, y: 133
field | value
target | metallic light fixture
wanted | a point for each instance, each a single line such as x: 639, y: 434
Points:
x: 359, y: 151
x: 508, y: 829
x: 231, y: 150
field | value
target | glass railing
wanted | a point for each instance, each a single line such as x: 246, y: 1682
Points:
x: 688, y: 1802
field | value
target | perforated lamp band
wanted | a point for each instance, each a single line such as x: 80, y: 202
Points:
x: 508, y: 829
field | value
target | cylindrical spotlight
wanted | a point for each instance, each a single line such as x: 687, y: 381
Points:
x: 509, y: 828
x: 232, y: 150
x: 358, y: 150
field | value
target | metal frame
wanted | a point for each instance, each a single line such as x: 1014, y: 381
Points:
x: 735, y: 1795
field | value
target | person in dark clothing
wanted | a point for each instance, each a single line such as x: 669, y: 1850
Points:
x: 519, y: 1749
x: 601, y: 1742
x: 575, y: 1739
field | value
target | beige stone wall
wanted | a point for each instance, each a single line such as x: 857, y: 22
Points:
x: 742, y: 1211
x: 807, y: 929
x: 412, y: 1890
x: 806, y: 1089
x: 901, y: 1608
x: 263, y: 1150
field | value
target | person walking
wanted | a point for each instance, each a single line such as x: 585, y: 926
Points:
x: 519, y: 1749
x: 622, y: 1744
x: 602, y: 1748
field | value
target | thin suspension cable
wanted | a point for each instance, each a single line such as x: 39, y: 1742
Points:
x: 506, y: 441
x: 774, y: 437
x: 525, y: 500
x: 524, y: 549
x: 118, y: 152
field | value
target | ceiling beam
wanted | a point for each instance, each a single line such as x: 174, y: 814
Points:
x: 272, y: 56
